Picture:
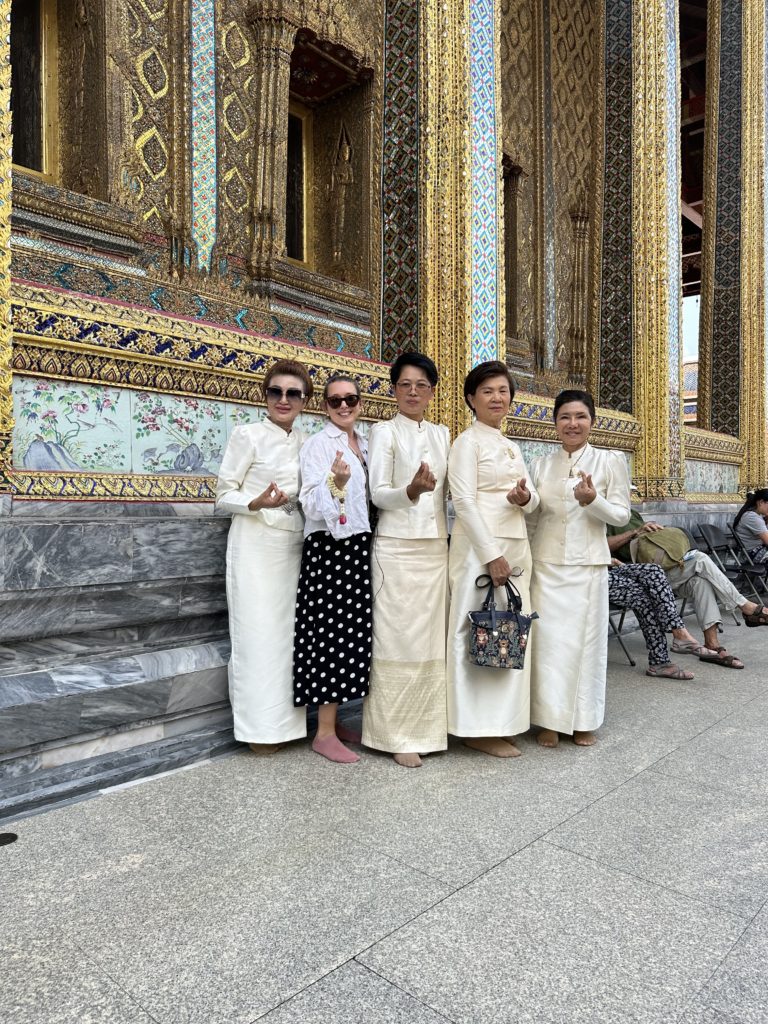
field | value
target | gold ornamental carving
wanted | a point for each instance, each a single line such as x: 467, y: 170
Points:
x: 711, y: 125
x: 656, y: 276
x: 6, y: 334
x: 445, y: 210
x: 753, y: 240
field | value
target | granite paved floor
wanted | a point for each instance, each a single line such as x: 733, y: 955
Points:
x: 623, y: 883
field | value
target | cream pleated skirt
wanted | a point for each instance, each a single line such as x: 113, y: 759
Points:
x: 571, y: 647
x: 405, y: 711
x: 485, y: 701
x: 262, y: 576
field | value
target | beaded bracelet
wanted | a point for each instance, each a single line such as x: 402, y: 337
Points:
x: 339, y: 494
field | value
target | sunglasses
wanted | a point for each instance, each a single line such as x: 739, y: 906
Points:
x: 335, y: 401
x: 292, y: 394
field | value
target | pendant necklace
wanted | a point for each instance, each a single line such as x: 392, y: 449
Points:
x: 575, y: 464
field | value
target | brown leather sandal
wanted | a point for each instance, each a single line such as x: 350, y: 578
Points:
x: 722, y: 658
x: 756, y: 618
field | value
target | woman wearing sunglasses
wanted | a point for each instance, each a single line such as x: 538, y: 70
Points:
x: 259, y: 484
x: 405, y: 712
x: 332, y: 652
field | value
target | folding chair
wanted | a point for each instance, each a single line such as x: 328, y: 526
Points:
x: 760, y: 568
x: 616, y: 609
x: 724, y: 553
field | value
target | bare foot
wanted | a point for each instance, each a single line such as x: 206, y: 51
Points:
x: 493, y: 745
x: 584, y: 739
x: 262, y: 749
x: 408, y: 760
x: 547, y: 738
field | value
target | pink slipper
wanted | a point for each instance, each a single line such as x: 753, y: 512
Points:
x: 331, y: 748
x: 347, y: 734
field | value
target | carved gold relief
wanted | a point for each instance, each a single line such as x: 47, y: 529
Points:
x: 656, y: 274
x: 753, y: 241
x: 445, y: 210
x: 6, y: 336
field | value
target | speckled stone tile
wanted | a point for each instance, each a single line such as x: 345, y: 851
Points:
x: 738, y: 990
x: 350, y: 995
x: 708, y: 844
x: 549, y: 937
x: 279, y: 916
x: 43, y: 981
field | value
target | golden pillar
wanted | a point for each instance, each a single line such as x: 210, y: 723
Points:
x: 274, y: 34
x: 446, y: 209
x: 656, y: 249
x: 6, y: 334
x: 753, y: 240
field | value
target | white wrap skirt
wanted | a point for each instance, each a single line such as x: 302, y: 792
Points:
x: 262, y: 577
x: 571, y: 646
x: 485, y: 701
x: 405, y: 710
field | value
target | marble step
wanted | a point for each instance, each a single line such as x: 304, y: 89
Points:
x: 91, y: 695
x: 44, y: 653
x: 45, y: 789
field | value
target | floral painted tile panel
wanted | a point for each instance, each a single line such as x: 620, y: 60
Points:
x: 60, y: 426
x: 172, y: 434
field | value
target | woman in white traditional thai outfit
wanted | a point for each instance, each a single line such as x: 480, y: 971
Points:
x: 332, y: 651
x: 259, y: 484
x: 491, y: 496
x: 405, y: 710
x: 581, y: 489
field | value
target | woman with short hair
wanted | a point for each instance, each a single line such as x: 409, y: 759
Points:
x: 581, y: 490
x: 491, y: 495
x: 332, y: 651
x: 405, y: 712
x: 259, y: 484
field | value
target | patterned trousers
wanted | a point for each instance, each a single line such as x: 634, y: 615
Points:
x: 759, y: 555
x: 645, y: 589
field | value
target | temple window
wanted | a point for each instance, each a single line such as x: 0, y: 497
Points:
x: 298, y: 220
x: 34, y: 86
x: 511, y: 176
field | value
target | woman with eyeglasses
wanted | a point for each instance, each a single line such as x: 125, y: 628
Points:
x: 405, y: 711
x: 492, y: 496
x: 259, y: 484
x: 332, y: 650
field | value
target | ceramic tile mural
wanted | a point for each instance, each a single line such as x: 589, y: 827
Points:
x: 67, y: 426
x: 95, y: 429
x: 710, y: 477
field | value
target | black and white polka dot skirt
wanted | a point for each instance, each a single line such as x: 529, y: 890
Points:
x: 334, y: 625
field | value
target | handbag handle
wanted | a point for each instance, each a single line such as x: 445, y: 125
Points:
x: 514, y: 601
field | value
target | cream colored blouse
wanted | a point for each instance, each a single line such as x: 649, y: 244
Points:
x: 565, y: 533
x: 483, y: 467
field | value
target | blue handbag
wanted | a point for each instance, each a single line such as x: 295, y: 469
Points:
x: 497, y: 637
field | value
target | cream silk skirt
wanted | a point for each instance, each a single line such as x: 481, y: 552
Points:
x: 404, y: 711
x: 262, y: 576
x: 485, y: 701
x: 571, y: 647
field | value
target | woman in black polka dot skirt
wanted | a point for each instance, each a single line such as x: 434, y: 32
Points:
x: 333, y: 636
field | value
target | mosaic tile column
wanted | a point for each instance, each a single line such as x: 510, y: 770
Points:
x: 656, y: 249
x: 754, y: 402
x: 609, y: 357
x: 401, y: 202
x: 274, y: 38
x: 6, y: 334
x: 485, y: 168
x: 203, y: 130
x: 719, y: 332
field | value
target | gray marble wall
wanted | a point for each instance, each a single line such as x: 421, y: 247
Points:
x: 113, y: 635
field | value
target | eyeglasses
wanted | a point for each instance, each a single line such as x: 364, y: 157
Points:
x: 292, y: 394
x: 335, y: 401
x: 420, y: 386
